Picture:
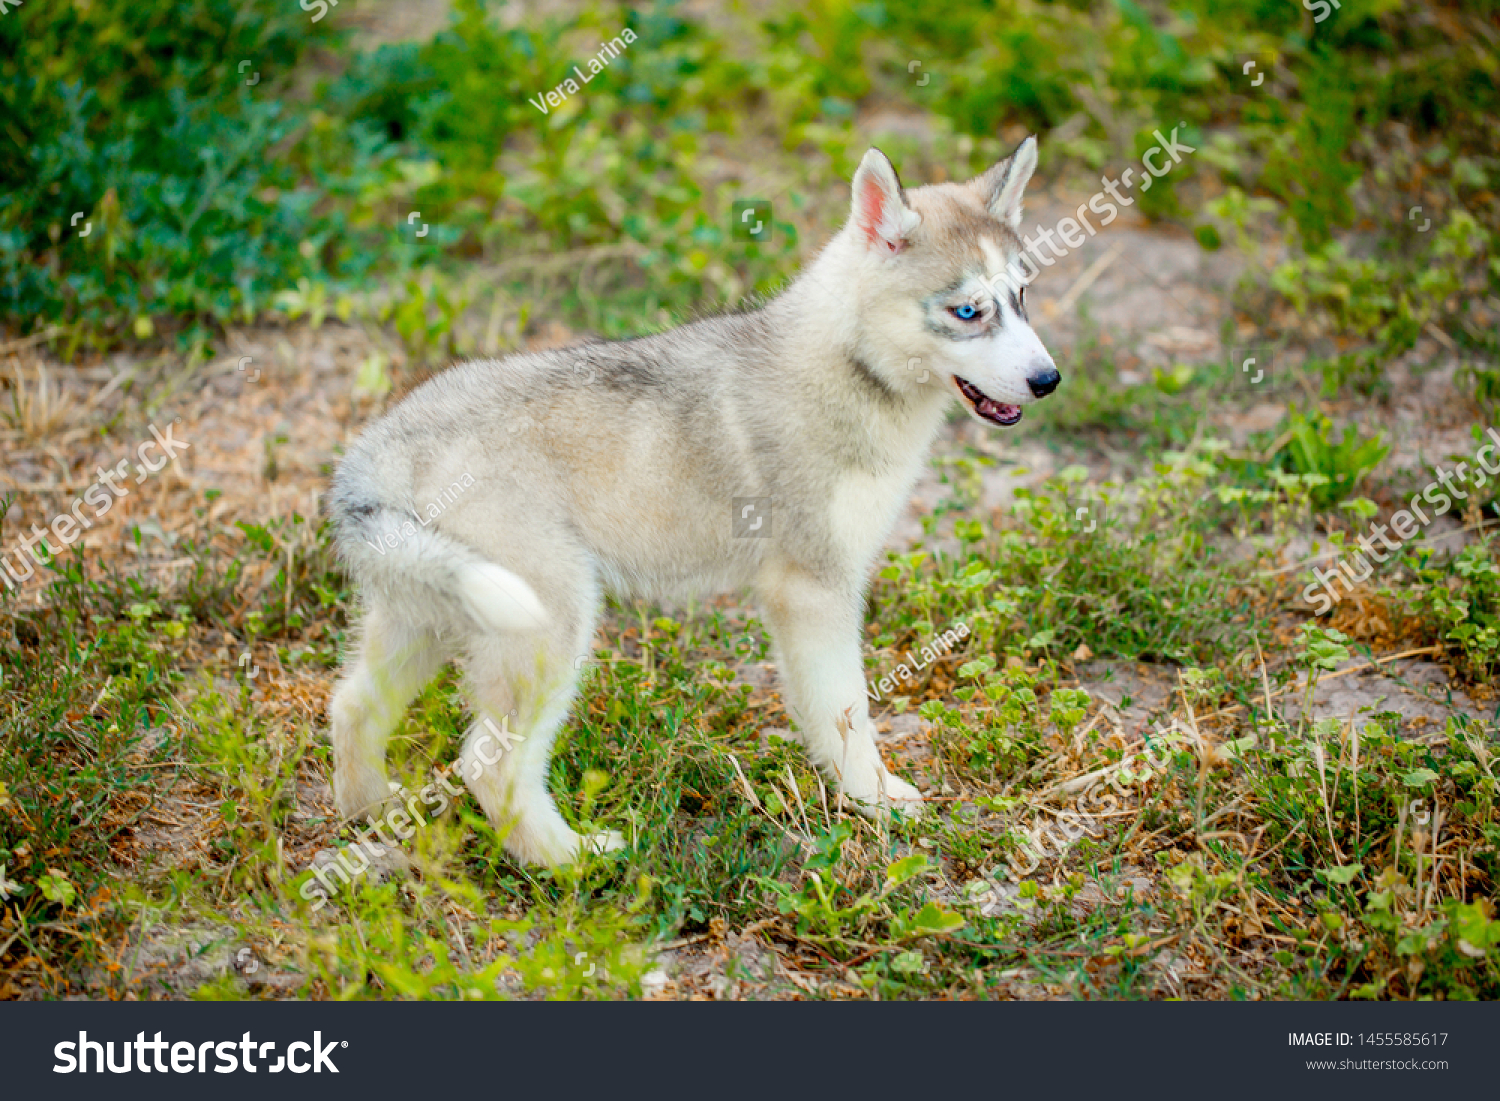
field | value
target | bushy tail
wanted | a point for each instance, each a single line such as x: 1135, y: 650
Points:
x: 392, y: 552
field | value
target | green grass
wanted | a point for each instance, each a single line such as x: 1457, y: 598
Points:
x: 1240, y: 842
x: 84, y: 740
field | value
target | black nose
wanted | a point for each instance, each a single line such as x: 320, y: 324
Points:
x: 1044, y: 381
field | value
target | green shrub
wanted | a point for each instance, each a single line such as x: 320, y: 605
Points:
x: 138, y: 119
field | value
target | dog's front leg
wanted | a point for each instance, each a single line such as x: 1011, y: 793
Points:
x: 815, y: 629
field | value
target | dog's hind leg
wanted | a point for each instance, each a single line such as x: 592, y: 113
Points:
x: 815, y: 629
x: 522, y: 686
x: 394, y: 662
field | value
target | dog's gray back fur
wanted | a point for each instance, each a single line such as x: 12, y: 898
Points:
x: 634, y: 451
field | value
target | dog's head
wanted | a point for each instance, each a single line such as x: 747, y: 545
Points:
x: 940, y: 283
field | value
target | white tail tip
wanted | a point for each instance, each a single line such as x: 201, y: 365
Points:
x: 499, y: 599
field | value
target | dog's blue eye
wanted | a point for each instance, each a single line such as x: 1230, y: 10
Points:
x: 966, y: 312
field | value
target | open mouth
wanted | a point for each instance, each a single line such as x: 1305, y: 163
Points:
x: 996, y: 412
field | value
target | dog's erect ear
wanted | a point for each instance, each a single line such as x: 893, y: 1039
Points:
x: 880, y: 212
x: 1002, y: 185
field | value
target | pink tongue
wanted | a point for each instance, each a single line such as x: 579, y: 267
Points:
x: 997, y: 409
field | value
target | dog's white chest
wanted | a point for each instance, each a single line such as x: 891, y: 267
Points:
x: 864, y: 508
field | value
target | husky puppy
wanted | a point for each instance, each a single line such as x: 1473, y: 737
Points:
x: 487, y: 513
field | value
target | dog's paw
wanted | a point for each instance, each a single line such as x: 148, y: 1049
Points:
x: 899, y: 795
x: 553, y: 844
x: 361, y: 792
x: 576, y: 846
x: 371, y: 859
x: 599, y: 843
x: 888, y: 793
